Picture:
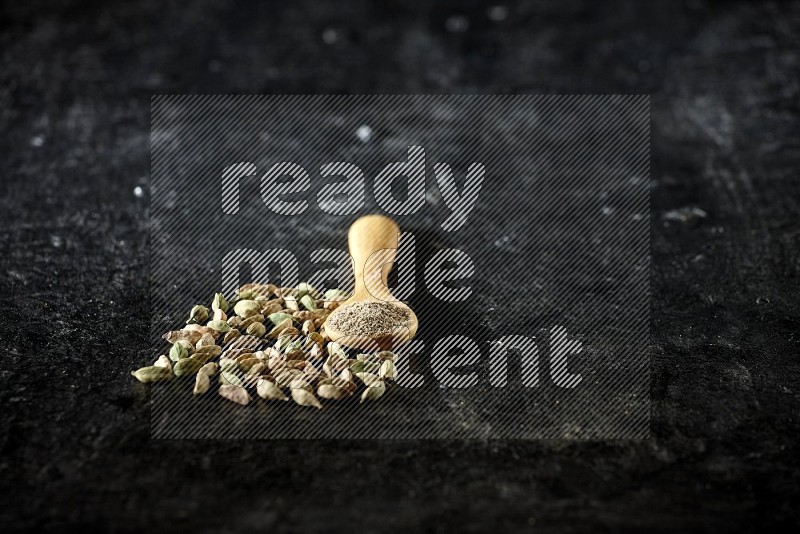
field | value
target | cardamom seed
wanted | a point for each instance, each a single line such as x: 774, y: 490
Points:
x: 374, y: 391
x: 152, y: 374
x: 219, y: 303
x: 201, y: 383
x: 219, y: 315
x: 235, y: 394
x: 267, y: 389
x: 198, y: 314
x: 305, y: 398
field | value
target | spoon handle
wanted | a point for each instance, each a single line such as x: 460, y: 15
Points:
x: 373, y: 241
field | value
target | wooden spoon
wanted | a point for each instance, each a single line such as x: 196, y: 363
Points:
x: 373, y: 241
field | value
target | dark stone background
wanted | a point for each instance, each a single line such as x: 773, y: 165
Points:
x: 74, y: 109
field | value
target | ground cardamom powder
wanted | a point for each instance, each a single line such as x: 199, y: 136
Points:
x: 370, y: 319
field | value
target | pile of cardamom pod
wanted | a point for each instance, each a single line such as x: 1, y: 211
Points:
x: 272, y: 343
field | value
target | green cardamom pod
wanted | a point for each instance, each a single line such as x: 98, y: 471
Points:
x: 305, y: 398
x: 152, y: 374
x: 246, y: 308
x: 201, y: 383
x: 388, y: 371
x: 334, y: 295
x: 367, y: 378
x: 291, y: 303
x: 374, y: 391
x: 235, y: 394
x: 219, y: 303
x: 357, y: 366
x: 163, y: 361
x: 307, y: 289
x: 220, y: 326
x: 208, y: 352
x: 226, y: 377
x: 205, y: 340
x: 257, y: 330
x: 188, y: 366
x: 210, y: 369
x: 335, y: 350
x: 178, y: 352
x: 330, y: 391
x: 268, y: 390
x: 279, y: 317
x: 198, y: 314
x: 308, y: 302
x: 230, y: 336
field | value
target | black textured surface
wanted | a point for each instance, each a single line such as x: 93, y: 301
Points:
x: 74, y: 432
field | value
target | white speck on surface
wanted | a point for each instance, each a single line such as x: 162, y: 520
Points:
x: 498, y: 13
x: 56, y: 241
x: 503, y: 242
x: 138, y: 192
x: 364, y: 133
x: 330, y: 36
x: 607, y: 210
x: 37, y: 140
x: 684, y: 214
x: 457, y: 23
